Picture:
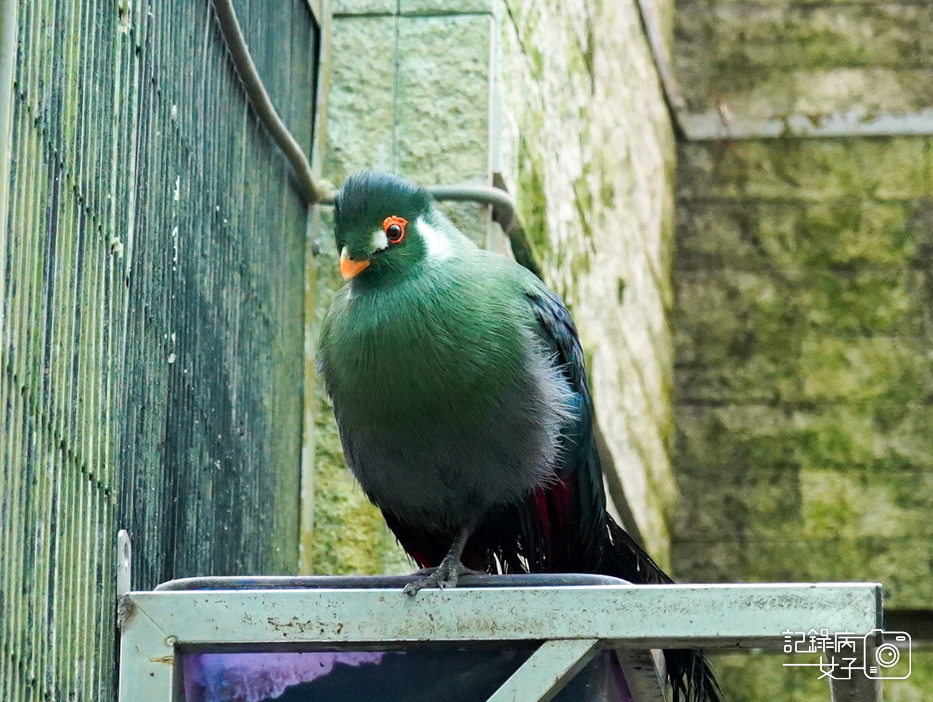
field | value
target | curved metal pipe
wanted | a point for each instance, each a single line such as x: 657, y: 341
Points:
x: 503, y: 209
x: 259, y: 98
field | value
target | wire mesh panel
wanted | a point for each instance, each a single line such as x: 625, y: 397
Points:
x: 151, y: 288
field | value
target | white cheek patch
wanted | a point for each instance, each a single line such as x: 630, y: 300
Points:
x: 437, y: 244
x: 380, y: 242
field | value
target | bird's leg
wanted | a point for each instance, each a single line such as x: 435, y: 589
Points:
x: 448, y: 572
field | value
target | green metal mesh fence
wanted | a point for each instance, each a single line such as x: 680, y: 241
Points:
x: 151, y: 312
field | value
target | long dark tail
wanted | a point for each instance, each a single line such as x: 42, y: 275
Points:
x: 690, y: 673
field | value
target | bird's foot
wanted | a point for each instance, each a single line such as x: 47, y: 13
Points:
x: 443, y: 576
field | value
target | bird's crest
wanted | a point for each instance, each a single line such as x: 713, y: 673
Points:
x: 369, y: 197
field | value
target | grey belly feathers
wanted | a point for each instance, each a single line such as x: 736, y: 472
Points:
x: 438, y: 474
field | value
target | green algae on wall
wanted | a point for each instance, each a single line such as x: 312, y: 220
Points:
x: 803, y: 325
x: 804, y: 308
x: 561, y: 99
x: 744, y: 61
x: 752, y: 677
x: 587, y: 150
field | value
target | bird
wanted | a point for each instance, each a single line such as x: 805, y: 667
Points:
x: 461, y: 397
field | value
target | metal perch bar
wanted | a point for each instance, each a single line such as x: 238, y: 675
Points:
x: 620, y: 616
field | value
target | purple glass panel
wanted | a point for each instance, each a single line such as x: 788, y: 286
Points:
x: 438, y: 674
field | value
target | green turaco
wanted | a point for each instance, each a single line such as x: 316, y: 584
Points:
x: 461, y: 397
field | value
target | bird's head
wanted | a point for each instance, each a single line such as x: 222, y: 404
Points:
x: 384, y: 224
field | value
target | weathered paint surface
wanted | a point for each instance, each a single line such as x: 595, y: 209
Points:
x: 150, y: 321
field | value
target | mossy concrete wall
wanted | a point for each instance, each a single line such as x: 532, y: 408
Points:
x: 408, y: 92
x: 587, y: 148
x: 806, y: 65
x: 804, y: 309
x: 803, y: 367
x: 560, y: 102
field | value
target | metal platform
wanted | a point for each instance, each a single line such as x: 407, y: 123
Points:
x: 572, y: 615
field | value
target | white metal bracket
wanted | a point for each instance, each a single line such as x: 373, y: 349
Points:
x: 574, y: 620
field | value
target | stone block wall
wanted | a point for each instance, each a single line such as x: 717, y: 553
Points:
x: 804, y: 306
x: 560, y: 102
x: 587, y: 148
x: 803, y: 66
x: 407, y: 90
x: 803, y: 366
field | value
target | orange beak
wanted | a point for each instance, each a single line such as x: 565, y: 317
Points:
x: 349, y: 267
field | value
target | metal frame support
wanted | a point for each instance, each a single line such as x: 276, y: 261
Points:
x: 547, y: 671
x: 573, y: 620
x: 124, y: 563
x: 645, y: 673
x: 859, y: 687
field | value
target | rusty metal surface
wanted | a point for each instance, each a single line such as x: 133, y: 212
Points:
x: 151, y: 285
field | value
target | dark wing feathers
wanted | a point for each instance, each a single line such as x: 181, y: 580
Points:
x: 563, y: 526
x: 605, y: 547
x: 574, y: 506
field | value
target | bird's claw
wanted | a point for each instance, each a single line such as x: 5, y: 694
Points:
x: 443, y: 576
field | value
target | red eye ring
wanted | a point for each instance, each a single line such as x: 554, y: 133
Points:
x: 394, y: 228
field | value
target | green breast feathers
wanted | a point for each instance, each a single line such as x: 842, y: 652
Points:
x: 440, y: 343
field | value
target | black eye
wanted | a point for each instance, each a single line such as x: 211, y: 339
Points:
x: 394, y: 233
x: 394, y: 228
